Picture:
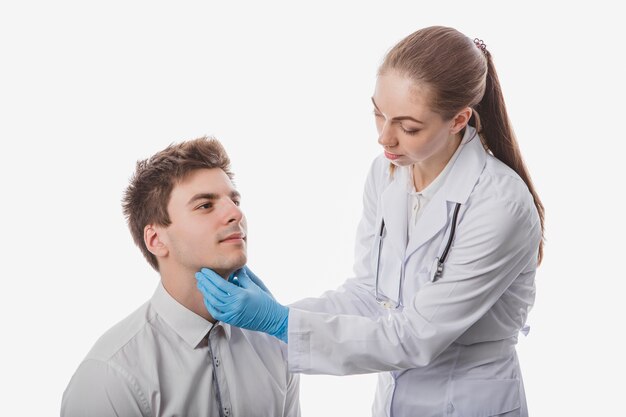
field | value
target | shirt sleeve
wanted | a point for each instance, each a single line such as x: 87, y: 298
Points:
x: 99, y: 389
x: 495, y: 245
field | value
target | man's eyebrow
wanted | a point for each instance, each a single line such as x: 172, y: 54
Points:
x: 211, y: 196
x: 399, y: 118
x: 202, y: 196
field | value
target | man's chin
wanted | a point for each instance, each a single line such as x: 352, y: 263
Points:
x: 225, y: 269
x: 240, y: 262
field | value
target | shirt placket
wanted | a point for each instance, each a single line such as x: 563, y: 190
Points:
x: 414, y: 204
x: 220, y: 383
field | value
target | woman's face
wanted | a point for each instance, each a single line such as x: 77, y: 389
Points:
x: 408, y: 130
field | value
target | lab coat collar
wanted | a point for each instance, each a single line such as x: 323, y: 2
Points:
x: 457, y: 187
x: 466, y: 169
x: 191, y: 327
x: 394, y: 208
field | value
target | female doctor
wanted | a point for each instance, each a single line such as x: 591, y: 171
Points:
x: 446, y: 250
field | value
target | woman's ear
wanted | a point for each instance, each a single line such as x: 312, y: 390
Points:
x: 460, y: 120
x: 155, y: 241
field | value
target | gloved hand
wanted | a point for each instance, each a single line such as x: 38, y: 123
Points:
x: 243, y: 303
x: 253, y: 278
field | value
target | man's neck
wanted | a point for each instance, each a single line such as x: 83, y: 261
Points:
x: 181, y: 285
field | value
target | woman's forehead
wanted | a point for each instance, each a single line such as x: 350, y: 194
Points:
x: 396, y: 95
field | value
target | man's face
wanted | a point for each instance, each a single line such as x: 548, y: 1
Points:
x: 208, y: 228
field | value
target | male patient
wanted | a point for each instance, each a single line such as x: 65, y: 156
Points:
x: 170, y: 357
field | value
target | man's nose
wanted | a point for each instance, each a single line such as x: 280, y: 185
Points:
x: 233, y: 212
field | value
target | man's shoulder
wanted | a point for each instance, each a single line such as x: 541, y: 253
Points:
x: 122, y: 333
x: 102, y: 384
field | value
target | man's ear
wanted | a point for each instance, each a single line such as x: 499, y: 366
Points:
x: 460, y: 120
x: 155, y: 239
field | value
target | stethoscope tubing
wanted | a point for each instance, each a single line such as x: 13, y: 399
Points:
x: 440, y: 260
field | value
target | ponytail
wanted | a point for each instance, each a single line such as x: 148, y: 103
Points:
x: 492, y: 123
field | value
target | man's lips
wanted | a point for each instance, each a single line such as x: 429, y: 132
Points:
x: 234, y: 237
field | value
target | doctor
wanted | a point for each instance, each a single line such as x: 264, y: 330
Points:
x: 446, y: 250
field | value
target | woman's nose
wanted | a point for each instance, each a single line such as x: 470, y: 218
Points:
x: 386, y: 137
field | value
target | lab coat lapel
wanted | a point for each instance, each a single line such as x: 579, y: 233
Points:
x: 394, y: 209
x: 431, y: 221
x: 458, y: 185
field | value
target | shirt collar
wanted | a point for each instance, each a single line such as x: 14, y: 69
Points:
x: 191, y: 327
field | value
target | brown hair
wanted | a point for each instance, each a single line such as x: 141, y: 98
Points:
x: 147, y: 196
x: 459, y: 72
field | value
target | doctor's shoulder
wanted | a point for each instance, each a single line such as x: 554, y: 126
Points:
x: 380, y: 173
x: 500, y: 188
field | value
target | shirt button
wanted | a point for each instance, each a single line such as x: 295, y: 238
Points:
x: 226, y: 411
x: 217, y: 362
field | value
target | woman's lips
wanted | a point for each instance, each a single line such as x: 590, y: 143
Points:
x: 391, y: 156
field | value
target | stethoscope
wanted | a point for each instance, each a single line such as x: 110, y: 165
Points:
x: 437, y: 272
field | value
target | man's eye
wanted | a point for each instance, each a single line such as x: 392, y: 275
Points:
x: 206, y: 206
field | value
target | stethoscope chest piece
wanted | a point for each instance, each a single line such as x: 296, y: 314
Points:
x: 388, y: 305
x: 437, y: 270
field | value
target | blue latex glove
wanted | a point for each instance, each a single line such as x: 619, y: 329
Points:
x: 242, y: 303
x: 253, y: 278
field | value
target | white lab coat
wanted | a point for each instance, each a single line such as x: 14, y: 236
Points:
x: 450, y: 350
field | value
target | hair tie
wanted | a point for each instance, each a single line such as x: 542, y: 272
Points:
x: 481, y: 45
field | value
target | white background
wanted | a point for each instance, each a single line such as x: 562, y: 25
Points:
x: 88, y: 88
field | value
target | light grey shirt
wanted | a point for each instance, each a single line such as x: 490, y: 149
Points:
x: 165, y: 360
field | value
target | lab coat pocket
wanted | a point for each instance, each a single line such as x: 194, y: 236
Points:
x: 486, y: 397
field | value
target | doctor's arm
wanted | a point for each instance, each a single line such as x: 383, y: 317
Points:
x: 494, y: 245
x: 356, y: 295
x: 245, y: 302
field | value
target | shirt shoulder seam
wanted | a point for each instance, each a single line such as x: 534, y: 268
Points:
x: 130, y: 379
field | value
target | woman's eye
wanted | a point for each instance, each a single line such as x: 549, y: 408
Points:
x: 237, y: 202
x: 409, y: 131
x: 376, y: 114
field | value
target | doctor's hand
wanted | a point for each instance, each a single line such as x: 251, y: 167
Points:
x: 233, y: 278
x: 243, y: 303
